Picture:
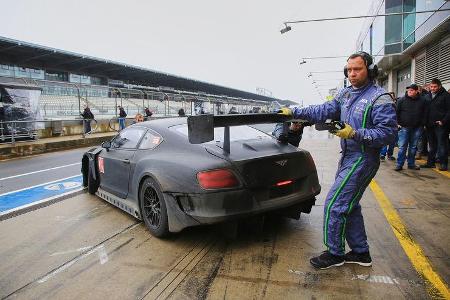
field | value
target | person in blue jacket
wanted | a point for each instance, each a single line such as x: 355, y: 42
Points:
x: 370, y: 123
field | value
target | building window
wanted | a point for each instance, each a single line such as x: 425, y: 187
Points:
x: 394, y: 26
x: 55, y: 76
x: 409, y: 23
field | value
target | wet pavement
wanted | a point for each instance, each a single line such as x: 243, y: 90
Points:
x: 83, y: 248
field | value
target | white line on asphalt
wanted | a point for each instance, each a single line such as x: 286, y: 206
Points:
x: 40, y: 171
x: 68, y: 265
x: 72, y: 251
x: 102, y: 255
x: 41, y: 184
x: 376, y: 279
x: 36, y: 203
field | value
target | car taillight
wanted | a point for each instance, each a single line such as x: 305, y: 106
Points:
x: 286, y: 182
x: 217, y: 179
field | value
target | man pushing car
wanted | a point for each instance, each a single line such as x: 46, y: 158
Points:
x: 370, y: 122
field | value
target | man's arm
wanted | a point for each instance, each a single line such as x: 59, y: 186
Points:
x: 320, y: 113
x: 384, y: 121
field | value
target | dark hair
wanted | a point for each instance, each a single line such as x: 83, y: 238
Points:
x: 436, y: 81
x: 364, y: 55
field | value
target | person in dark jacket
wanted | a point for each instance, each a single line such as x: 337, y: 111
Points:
x: 122, y: 116
x: 148, y: 114
x: 438, y: 125
x: 181, y: 112
x: 411, y: 111
x: 422, y: 144
x: 88, y: 116
x: 293, y: 136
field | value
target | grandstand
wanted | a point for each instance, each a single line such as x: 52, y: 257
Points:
x: 70, y: 81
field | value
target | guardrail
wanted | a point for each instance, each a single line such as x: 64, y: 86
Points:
x: 12, y: 131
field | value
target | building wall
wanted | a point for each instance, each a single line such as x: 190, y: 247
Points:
x: 389, y: 37
x: 433, y: 61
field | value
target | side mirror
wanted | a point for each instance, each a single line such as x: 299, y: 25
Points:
x: 106, y: 145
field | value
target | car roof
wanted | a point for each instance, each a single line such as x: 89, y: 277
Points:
x: 163, y: 122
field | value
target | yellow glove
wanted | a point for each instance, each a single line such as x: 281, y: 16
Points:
x: 346, y: 133
x: 285, y: 111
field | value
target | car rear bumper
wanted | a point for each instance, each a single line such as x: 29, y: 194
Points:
x: 210, y: 208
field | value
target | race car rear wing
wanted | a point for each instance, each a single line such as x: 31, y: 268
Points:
x: 201, y: 127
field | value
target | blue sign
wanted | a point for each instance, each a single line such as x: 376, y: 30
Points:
x: 40, y: 192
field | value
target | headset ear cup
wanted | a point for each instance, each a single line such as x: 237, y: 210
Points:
x: 345, y: 72
x: 375, y: 71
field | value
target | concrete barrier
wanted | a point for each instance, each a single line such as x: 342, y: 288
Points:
x: 45, y: 145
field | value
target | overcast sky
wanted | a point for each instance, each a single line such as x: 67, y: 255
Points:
x: 235, y: 43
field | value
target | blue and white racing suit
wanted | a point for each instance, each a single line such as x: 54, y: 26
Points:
x: 372, y: 115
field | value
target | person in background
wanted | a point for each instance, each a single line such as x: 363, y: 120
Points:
x: 422, y: 144
x: 138, y: 118
x: 389, y: 149
x: 293, y: 136
x: 122, y: 116
x: 411, y: 111
x: 438, y: 125
x: 181, y: 112
x: 148, y: 113
x: 88, y: 116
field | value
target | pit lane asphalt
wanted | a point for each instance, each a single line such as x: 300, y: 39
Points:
x: 15, y: 173
x: 83, y: 247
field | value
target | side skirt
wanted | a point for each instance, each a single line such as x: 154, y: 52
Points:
x: 119, y: 202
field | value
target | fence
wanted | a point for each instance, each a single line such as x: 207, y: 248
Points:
x: 69, y: 102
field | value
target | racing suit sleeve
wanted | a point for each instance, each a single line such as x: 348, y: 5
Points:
x: 384, y: 129
x: 319, y: 113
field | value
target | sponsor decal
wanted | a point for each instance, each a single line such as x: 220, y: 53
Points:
x: 101, y: 165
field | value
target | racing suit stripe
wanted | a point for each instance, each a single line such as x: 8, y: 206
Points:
x: 364, y: 121
x: 336, y: 194
x: 362, y: 188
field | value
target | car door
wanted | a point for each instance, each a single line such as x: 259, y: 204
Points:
x: 115, y: 164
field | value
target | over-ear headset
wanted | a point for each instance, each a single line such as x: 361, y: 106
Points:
x: 372, y: 68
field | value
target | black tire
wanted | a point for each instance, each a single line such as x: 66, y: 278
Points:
x: 153, y: 208
x: 92, y: 183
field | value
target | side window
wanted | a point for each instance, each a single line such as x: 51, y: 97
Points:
x: 150, y: 140
x: 128, y: 138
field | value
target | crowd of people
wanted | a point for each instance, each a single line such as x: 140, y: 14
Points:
x: 423, y: 116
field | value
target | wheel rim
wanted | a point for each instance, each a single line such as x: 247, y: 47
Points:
x: 152, y: 207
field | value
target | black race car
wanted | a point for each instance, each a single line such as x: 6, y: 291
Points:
x: 179, y: 172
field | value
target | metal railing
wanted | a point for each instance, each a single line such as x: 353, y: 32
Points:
x: 23, y: 130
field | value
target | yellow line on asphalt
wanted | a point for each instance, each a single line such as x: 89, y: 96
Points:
x: 445, y: 173
x: 437, y: 289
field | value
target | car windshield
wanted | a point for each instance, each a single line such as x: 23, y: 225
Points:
x: 237, y: 133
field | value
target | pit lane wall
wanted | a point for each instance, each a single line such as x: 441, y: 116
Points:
x: 56, y: 136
